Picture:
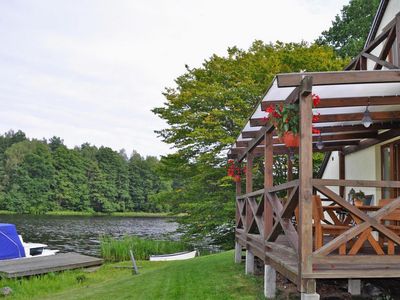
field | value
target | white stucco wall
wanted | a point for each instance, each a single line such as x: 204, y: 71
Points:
x: 332, y: 170
x: 363, y: 165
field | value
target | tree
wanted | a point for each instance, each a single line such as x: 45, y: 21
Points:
x: 30, y: 177
x: 349, y: 30
x: 206, y: 111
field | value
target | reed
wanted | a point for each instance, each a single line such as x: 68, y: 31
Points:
x: 118, y: 249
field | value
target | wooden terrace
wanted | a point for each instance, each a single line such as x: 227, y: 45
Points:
x: 304, y: 228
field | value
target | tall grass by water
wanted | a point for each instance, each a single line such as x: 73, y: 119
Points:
x: 118, y: 250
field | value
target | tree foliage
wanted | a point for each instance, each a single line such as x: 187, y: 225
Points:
x: 206, y: 111
x: 38, y: 176
x: 349, y: 30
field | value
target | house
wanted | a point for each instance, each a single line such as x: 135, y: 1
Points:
x: 287, y: 226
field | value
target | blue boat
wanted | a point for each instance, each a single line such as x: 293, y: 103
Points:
x: 12, y: 245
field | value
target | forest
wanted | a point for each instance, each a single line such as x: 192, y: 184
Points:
x: 37, y: 176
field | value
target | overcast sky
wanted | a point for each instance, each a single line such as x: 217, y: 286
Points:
x: 91, y: 70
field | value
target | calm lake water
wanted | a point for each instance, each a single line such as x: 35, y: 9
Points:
x: 82, y: 234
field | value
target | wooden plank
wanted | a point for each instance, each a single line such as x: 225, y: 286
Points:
x: 268, y: 182
x: 283, y: 259
x: 371, y: 273
x: 381, y: 62
x: 346, y: 101
x: 283, y: 186
x: 356, y: 183
x: 249, y: 189
x: 305, y: 187
x: 251, y: 194
x: 336, y: 78
x: 46, y: 264
x: 357, y: 259
x: 387, y: 135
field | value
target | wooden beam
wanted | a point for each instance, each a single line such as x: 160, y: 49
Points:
x: 387, y: 135
x: 336, y: 78
x: 346, y: 101
x: 359, y: 128
x: 398, y: 38
x: 305, y: 187
x: 324, y: 138
x: 268, y: 182
x: 342, y: 172
x: 381, y: 62
x: 386, y: 47
x: 249, y: 188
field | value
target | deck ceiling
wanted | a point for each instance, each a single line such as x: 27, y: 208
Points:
x: 344, y: 97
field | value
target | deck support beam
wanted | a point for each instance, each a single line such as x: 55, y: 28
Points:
x: 269, y: 281
x: 238, y: 253
x: 249, y: 269
x: 354, y: 287
x: 313, y: 296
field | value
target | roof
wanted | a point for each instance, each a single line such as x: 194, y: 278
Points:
x: 344, y: 97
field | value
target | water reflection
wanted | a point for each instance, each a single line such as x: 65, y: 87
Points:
x: 82, y: 234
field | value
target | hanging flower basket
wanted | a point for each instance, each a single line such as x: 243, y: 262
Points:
x: 235, y: 170
x: 286, y: 119
x: 291, y: 140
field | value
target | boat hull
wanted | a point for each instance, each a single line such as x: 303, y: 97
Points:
x: 174, y: 256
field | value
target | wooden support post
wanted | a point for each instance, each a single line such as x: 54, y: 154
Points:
x: 289, y: 172
x: 305, y: 187
x: 249, y: 268
x: 342, y: 172
x: 268, y: 182
x: 238, y: 253
x: 269, y: 282
x: 354, y: 287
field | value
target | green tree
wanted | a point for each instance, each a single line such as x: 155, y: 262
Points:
x: 30, y: 177
x: 71, y: 186
x: 349, y: 30
x: 206, y: 111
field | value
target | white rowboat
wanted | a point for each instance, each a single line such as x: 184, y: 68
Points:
x: 174, y: 256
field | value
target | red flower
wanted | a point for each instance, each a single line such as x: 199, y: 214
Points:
x: 316, y: 131
x: 315, y: 118
x: 270, y: 109
x: 316, y: 100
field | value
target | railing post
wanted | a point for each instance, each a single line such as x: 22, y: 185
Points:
x: 307, y: 287
x: 238, y: 247
x: 249, y: 269
x: 249, y: 188
x: 268, y: 182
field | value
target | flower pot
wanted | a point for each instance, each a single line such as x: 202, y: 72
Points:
x: 358, y: 202
x: 290, y: 139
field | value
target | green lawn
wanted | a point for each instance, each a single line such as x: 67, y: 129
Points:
x: 208, y: 277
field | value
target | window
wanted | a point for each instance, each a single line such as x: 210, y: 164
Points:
x: 390, y: 159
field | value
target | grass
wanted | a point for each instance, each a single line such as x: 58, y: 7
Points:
x: 208, y: 277
x: 118, y: 250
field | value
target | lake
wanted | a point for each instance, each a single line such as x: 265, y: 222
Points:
x: 82, y: 234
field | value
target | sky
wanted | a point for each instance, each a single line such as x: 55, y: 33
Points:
x: 92, y: 70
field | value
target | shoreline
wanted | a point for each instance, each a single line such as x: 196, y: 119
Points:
x: 96, y: 214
